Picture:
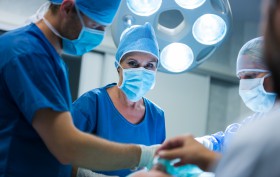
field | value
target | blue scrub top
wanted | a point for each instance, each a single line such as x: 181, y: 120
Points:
x: 32, y: 76
x: 94, y: 112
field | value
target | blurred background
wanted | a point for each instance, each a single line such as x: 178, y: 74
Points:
x: 201, y: 101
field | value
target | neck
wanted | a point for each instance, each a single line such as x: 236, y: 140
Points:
x: 122, y: 99
x: 53, y: 38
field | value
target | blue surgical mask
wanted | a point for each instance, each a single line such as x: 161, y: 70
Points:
x: 254, y: 96
x: 87, y: 40
x: 137, y: 82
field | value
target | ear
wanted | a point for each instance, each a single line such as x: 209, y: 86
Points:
x: 67, y: 7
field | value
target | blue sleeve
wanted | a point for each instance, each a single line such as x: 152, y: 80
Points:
x: 33, y: 84
x: 221, y: 139
x: 84, y: 112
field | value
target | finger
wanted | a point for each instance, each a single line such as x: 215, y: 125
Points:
x: 171, y: 154
x: 170, y: 144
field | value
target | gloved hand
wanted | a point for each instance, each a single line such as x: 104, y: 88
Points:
x: 205, y: 142
x: 82, y: 172
x: 147, y: 155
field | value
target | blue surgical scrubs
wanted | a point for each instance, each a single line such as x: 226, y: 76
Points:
x: 94, y: 112
x: 32, y: 76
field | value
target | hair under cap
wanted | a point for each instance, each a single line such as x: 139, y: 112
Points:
x: 250, y: 57
x: 137, y: 38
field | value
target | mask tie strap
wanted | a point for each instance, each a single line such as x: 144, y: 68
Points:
x: 52, y: 28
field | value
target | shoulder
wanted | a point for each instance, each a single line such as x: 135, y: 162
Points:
x: 26, y: 43
x: 153, y: 107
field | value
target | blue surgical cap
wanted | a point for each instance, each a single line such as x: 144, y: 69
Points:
x: 250, y: 57
x: 101, y: 11
x: 138, y: 38
x: 56, y: 1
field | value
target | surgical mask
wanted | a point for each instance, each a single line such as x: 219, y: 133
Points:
x: 137, y: 82
x: 87, y: 40
x: 254, y: 96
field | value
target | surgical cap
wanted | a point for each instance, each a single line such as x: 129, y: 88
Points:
x: 101, y: 11
x: 250, y: 57
x: 138, y: 38
x: 56, y: 1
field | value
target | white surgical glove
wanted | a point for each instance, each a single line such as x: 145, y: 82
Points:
x: 147, y: 155
x: 82, y: 172
x: 205, y: 142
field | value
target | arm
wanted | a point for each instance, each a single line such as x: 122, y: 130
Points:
x: 69, y: 145
x: 219, y: 140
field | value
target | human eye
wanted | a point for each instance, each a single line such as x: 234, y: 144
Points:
x: 132, y: 63
x: 151, y: 66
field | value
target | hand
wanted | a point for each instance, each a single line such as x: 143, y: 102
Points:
x: 147, y: 155
x: 189, y: 151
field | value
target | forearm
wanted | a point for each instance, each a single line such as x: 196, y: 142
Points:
x: 98, y: 154
x: 71, y: 146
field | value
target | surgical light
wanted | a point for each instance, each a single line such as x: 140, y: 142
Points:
x: 188, y: 31
x: 209, y: 29
x: 176, y: 57
x: 190, y: 4
x: 143, y: 7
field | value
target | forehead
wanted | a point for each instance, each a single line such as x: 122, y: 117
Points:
x: 139, y: 56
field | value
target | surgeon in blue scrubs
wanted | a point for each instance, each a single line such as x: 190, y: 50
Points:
x: 120, y: 112
x: 37, y: 134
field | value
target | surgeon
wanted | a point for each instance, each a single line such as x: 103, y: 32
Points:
x: 255, y: 89
x: 37, y: 134
x: 120, y: 112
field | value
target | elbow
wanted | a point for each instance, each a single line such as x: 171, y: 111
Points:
x: 65, y: 155
x: 64, y: 158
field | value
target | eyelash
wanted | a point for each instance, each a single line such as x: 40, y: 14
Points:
x: 133, y: 63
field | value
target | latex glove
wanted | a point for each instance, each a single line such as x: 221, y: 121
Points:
x: 147, y: 156
x: 82, y: 172
x: 205, y: 142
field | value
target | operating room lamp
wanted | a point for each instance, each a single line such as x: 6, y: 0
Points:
x: 188, y: 31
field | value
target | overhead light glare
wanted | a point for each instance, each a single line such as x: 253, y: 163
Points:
x: 176, y: 57
x: 143, y: 7
x: 190, y: 4
x: 209, y: 29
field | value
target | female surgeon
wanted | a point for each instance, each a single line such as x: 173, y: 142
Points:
x: 120, y: 112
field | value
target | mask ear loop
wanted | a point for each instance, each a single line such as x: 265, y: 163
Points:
x: 123, y: 76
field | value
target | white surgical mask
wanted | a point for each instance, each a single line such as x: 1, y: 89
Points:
x: 254, y: 96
